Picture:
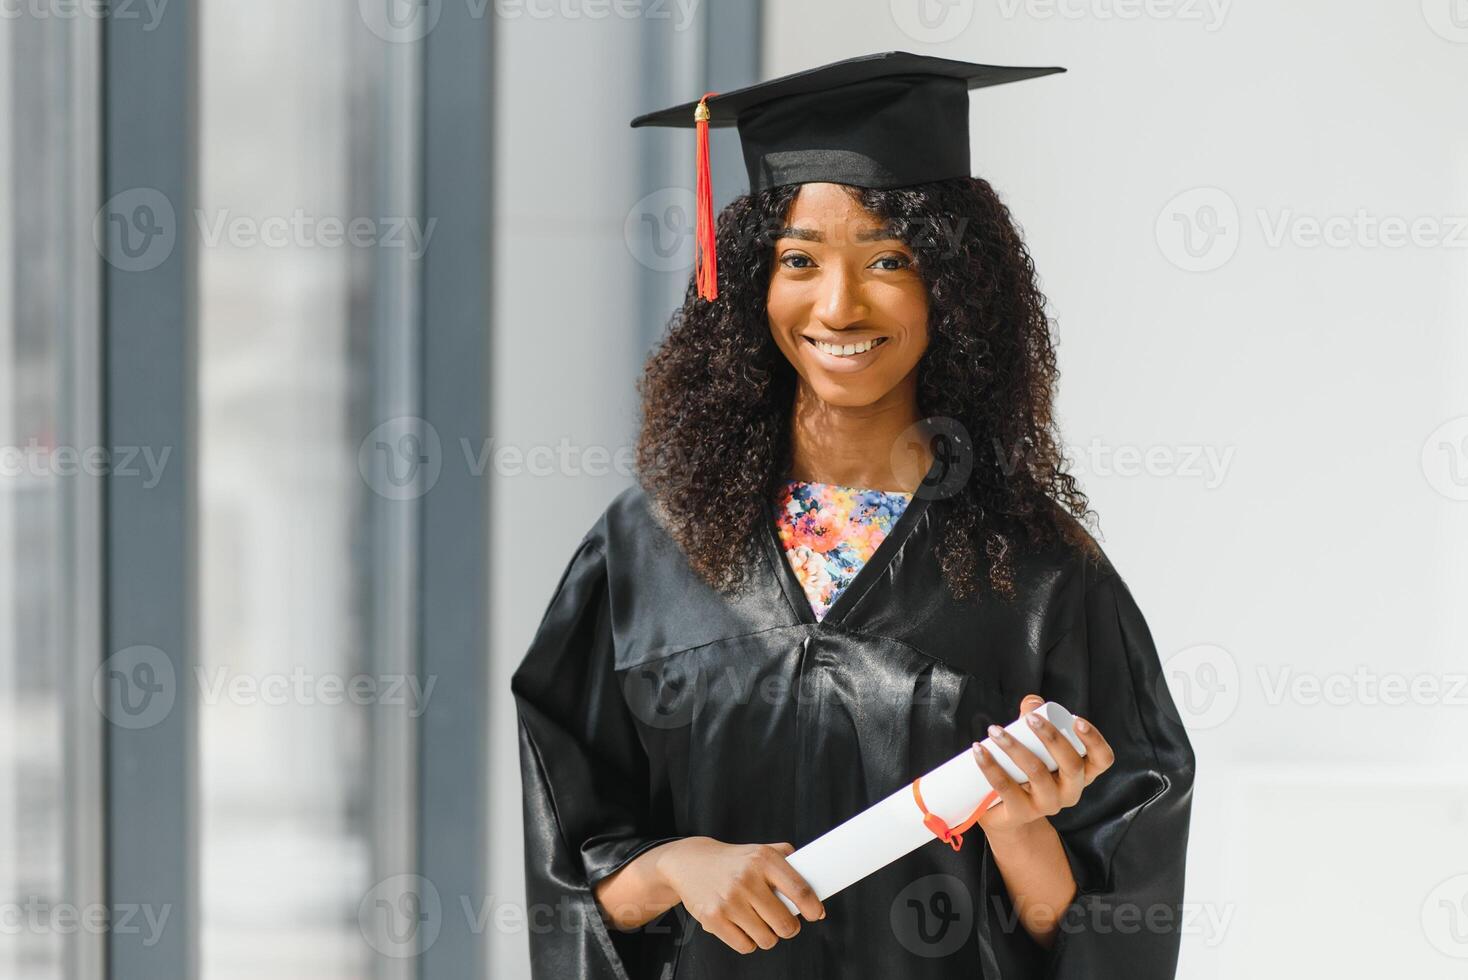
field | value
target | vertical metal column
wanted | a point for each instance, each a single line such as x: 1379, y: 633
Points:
x: 457, y: 164
x: 149, y: 312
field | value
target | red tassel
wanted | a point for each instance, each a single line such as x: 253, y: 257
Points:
x: 705, y: 257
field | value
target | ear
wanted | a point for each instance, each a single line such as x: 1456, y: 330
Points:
x: 1029, y: 703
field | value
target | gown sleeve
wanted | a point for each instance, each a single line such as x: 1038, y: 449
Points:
x: 585, y: 778
x: 1126, y: 838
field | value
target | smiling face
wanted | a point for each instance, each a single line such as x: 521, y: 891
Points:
x: 846, y: 305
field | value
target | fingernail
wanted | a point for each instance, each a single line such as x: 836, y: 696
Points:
x: 996, y: 732
x: 1034, y: 720
x: 1082, y: 725
x: 822, y: 915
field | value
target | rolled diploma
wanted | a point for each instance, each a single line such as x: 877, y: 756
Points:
x: 885, y: 831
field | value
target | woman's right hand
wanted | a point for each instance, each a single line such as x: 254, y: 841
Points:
x: 730, y: 890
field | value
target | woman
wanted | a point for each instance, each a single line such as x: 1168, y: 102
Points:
x: 853, y: 549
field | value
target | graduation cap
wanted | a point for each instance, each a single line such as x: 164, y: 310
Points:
x: 880, y: 120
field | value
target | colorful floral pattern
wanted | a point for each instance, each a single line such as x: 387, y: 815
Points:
x: 829, y: 531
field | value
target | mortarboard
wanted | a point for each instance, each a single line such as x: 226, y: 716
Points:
x: 879, y: 120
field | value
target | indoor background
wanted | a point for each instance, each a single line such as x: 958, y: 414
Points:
x: 318, y: 330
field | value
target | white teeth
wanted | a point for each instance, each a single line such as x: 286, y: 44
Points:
x: 846, y: 350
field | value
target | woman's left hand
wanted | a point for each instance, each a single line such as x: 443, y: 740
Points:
x: 1046, y: 793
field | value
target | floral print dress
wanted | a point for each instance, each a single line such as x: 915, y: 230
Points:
x: 828, y: 531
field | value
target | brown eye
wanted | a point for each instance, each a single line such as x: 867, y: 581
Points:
x: 902, y: 262
x: 789, y: 257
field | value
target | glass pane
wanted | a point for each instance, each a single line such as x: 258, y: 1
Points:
x: 285, y: 377
x: 46, y: 288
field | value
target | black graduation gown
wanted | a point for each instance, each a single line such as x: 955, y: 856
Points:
x: 651, y: 707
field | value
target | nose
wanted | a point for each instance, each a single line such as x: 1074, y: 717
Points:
x: 840, y: 302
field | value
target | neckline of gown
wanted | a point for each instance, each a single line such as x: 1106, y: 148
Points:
x: 861, y: 583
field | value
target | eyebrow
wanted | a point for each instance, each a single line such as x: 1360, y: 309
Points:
x: 811, y: 235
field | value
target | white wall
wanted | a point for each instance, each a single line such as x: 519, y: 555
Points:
x: 1326, y: 835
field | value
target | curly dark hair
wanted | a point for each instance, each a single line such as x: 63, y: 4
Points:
x: 717, y: 393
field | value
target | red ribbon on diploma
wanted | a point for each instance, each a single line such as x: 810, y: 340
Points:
x: 951, y: 835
